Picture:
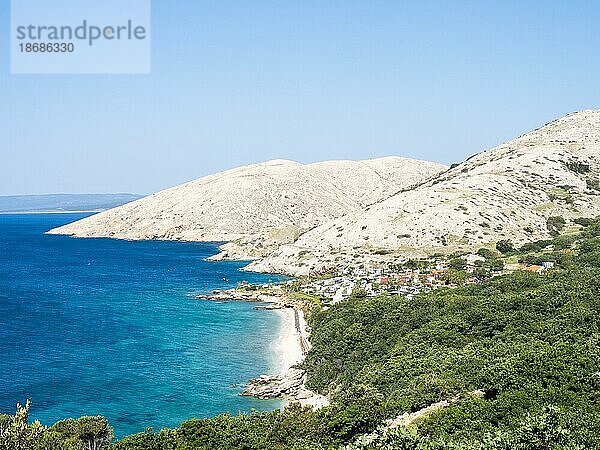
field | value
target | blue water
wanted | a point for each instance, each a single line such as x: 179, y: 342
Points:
x: 108, y: 327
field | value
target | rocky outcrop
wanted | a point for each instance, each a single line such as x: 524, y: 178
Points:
x: 272, y: 297
x: 290, y: 387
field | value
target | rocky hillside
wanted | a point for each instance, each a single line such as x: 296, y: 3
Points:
x: 259, y: 207
x: 508, y: 192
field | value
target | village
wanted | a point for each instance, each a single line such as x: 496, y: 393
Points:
x: 405, y: 278
x: 410, y: 278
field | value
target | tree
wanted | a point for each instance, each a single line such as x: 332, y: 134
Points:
x: 457, y: 264
x: 361, y: 413
x: 505, y: 247
x: 93, y: 431
x: 16, y: 433
x: 584, y: 221
x: 555, y: 225
x: 456, y: 276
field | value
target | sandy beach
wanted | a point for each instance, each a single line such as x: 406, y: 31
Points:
x: 288, y: 347
x: 292, y: 346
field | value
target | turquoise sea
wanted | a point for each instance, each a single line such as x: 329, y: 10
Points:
x: 108, y: 327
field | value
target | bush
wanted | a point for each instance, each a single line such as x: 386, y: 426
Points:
x: 505, y: 247
x: 578, y: 166
x: 555, y: 225
x: 487, y: 253
x: 593, y: 184
x: 584, y: 221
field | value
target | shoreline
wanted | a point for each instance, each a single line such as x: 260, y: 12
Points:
x: 290, y: 382
x: 292, y: 345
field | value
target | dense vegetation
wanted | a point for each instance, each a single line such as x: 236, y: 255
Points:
x: 529, y: 342
x: 90, y: 433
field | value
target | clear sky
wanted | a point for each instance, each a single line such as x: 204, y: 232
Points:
x: 237, y: 82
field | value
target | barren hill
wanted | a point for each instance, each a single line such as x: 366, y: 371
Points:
x: 508, y: 192
x: 259, y: 207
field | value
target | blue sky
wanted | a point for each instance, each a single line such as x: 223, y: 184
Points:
x: 237, y: 82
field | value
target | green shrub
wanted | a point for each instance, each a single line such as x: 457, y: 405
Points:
x: 593, y: 184
x: 555, y: 225
x: 578, y: 166
x: 505, y: 247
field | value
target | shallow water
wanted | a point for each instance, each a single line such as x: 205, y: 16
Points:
x: 108, y: 327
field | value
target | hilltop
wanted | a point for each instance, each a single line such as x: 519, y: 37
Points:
x: 257, y: 208
x: 301, y: 219
x: 517, y: 191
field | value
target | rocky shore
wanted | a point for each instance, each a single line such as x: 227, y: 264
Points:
x: 290, y: 386
x: 241, y: 295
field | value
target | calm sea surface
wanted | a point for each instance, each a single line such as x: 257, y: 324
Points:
x: 108, y: 327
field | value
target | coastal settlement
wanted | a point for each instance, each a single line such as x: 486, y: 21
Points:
x: 407, y: 278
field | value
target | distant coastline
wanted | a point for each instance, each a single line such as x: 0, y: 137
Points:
x: 63, y: 203
x: 14, y: 213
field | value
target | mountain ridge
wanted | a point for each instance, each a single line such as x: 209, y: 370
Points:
x: 507, y: 192
x: 300, y: 219
x: 259, y: 207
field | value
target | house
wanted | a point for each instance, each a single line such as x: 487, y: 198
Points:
x: 404, y: 279
x: 548, y: 265
x: 340, y: 295
x: 535, y: 269
x: 437, y: 274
